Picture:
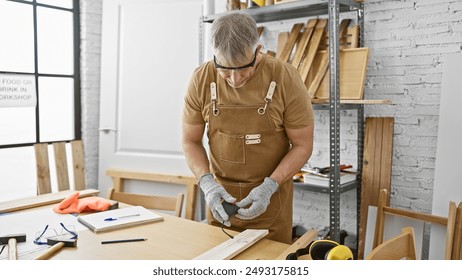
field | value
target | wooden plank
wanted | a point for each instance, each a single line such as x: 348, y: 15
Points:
x: 350, y: 101
x: 300, y: 243
x: 232, y: 247
x: 378, y: 147
x: 322, y: 70
x: 304, y: 39
x: 312, y: 48
x: 353, y: 65
x: 41, y: 200
x: 62, y: 175
x: 260, y: 30
x: 284, y: 55
x: 43, y: 168
x: 78, y: 161
x: 451, y: 225
x: 282, y: 39
x: 457, y: 244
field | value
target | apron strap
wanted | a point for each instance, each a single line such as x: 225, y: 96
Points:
x: 213, y: 98
x: 268, y: 98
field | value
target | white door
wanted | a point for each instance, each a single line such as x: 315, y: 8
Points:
x: 149, y: 50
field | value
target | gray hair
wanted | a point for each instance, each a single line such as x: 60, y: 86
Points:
x: 233, y: 35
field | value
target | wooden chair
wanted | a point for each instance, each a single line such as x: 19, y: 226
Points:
x: 120, y: 176
x: 155, y: 202
x: 396, y: 248
x: 383, y: 209
x: 60, y: 156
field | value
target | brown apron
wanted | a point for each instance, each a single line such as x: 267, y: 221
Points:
x: 244, y: 149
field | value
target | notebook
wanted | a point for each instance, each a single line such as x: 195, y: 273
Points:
x: 119, y: 218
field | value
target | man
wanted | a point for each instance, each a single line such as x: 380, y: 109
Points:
x: 259, y: 126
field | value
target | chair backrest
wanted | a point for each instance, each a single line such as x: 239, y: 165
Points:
x: 397, y: 248
x: 155, y: 202
x: 119, y: 177
x: 61, y: 167
x: 383, y: 209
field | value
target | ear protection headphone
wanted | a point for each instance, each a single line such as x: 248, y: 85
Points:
x: 325, y: 249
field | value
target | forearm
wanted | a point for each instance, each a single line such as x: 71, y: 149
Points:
x: 291, y: 163
x: 302, y: 147
x: 196, y: 158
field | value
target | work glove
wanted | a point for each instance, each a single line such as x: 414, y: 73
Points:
x: 259, y: 197
x: 214, y: 193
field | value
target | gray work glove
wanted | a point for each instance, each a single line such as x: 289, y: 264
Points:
x: 259, y: 197
x: 214, y: 193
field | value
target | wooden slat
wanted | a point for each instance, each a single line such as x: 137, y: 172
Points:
x: 191, y: 195
x: 260, y: 30
x: 378, y: 147
x: 322, y: 70
x: 457, y: 244
x: 78, y: 161
x: 354, y: 101
x: 304, y: 39
x: 284, y: 55
x: 300, y: 243
x: 282, y: 39
x: 41, y: 200
x: 43, y: 169
x: 62, y: 175
x: 232, y: 247
x: 451, y: 225
x: 312, y: 48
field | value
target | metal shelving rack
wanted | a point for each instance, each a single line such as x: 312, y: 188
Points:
x: 311, y: 8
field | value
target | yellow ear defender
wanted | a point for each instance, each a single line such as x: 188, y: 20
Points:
x: 325, y: 249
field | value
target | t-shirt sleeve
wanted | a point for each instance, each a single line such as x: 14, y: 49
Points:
x: 192, y: 109
x: 298, y: 112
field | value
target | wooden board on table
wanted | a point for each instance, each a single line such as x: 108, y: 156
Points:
x: 41, y: 200
x: 232, y: 247
x: 352, y: 69
x: 294, y: 35
x: 376, y: 175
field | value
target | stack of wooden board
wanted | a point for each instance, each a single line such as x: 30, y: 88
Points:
x: 305, y: 48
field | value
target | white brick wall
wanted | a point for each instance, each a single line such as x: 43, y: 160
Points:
x: 90, y: 48
x: 408, y: 40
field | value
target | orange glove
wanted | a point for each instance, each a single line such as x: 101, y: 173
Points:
x: 73, y: 204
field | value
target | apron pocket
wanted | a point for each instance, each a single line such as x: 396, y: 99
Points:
x: 232, y: 148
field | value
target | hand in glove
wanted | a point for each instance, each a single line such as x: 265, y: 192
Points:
x: 259, y: 197
x: 214, y: 193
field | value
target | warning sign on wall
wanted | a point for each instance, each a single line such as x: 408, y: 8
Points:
x: 17, y: 90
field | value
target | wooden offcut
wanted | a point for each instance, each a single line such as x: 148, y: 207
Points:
x: 377, y: 162
x: 294, y: 35
x: 457, y: 244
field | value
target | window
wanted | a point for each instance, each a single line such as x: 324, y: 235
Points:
x: 39, y: 85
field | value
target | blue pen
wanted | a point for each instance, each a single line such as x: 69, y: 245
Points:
x: 121, y: 217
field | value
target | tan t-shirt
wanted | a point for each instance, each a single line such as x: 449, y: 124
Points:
x: 290, y: 106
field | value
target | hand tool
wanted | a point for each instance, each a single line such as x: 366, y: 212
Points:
x: 57, y: 243
x: 12, y: 240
